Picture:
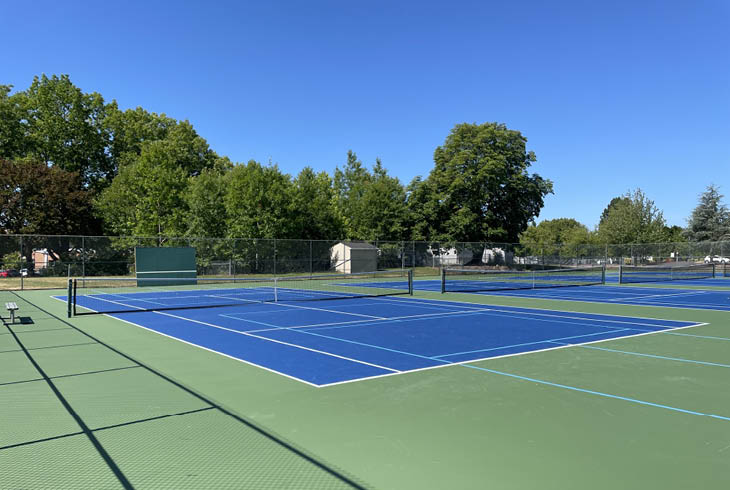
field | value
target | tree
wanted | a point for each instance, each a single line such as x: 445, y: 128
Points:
x: 616, y: 201
x: 710, y: 220
x: 373, y: 204
x: 36, y: 199
x: 13, y: 141
x: 64, y: 127
x: 11, y: 260
x: 206, y: 208
x: 147, y: 197
x: 632, y: 218
x: 314, y: 207
x: 258, y: 202
x: 674, y: 234
x: 562, y: 236
x: 480, y: 188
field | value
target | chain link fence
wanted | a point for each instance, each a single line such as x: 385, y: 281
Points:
x: 39, y: 261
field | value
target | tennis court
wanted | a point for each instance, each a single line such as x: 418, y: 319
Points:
x: 335, y: 341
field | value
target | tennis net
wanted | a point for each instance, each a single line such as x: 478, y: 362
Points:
x: 629, y: 274
x: 465, y: 280
x: 123, y: 295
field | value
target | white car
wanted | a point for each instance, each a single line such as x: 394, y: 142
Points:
x: 717, y: 259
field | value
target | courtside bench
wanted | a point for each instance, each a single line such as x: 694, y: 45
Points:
x: 12, y: 308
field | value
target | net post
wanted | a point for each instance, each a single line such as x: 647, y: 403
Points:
x: 443, y: 280
x: 276, y: 290
x: 69, y: 290
x: 713, y: 270
x: 74, y: 296
x: 620, y: 273
x: 410, y: 282
x: 603, y: 274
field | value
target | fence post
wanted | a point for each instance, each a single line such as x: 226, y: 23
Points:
x: 311, y: 259
x: 402, y: 255
x: 83, y: 258
x: 22, y: 262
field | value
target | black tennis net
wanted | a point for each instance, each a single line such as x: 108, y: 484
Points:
x: 466, y: 280
x: 123, y: 295
x: 629, y: 274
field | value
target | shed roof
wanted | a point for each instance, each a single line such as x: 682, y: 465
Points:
x: 359, y: 245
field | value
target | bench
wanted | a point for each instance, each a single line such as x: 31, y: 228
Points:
x: 12, y: 308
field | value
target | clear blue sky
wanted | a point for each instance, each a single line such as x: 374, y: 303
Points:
x: 611, y: 95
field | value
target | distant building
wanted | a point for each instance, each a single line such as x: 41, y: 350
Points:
x: 348, y: 257
x: 449, y: 257
x: 42, y: 258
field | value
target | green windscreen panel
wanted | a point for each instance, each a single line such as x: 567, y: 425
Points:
x: 159, y: 263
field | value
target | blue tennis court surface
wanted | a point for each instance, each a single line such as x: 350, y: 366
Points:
x: 705, y: 299
x: 334, y: 341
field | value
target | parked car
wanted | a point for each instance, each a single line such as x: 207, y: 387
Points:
x: 3, y: 273
x: 24, y: 272
x: 717, y: 259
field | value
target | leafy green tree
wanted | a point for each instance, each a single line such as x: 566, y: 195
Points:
x: 710, y: 220
x: 258, y: 202
x: 314, y: 207
x: 480, y: 188
x: 64, y: 127
x: 632, y: 219
x: 11, y: 260
x: 129, y: 131
x: 373, y: 204
x: 13, y: 141
x: 205, y: 201
x: 147, y: 197
x: 560, y: 236
x: 674, y: 234
x: 616, y: 201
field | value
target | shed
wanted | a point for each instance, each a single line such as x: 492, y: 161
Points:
x: 351, y: 256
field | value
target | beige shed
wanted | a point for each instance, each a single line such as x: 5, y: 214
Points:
x: 349, y: 257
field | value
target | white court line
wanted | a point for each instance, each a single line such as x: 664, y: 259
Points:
x: 273, y: 340
x: 499, y: 309
x: 476, y: 311
x: 244, y: 361
x: 297, y: 326
x: 563, y: 298
x: 501, y: 357
x: 437, y: 302
x: 94, y: 296
x: 408, y: 300
x: 709, y: 306
x: 663, y: 295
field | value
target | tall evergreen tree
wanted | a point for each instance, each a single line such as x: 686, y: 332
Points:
x: 710, y: 220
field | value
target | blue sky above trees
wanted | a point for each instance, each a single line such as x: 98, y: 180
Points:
x: 611, y: 96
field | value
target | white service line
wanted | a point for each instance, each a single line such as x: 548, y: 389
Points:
x: 502, y: 356
x: 273, y: 340
x: 663, y: 295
